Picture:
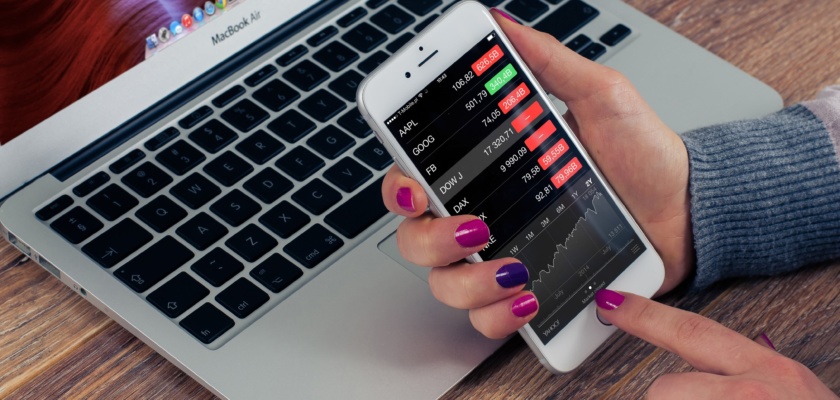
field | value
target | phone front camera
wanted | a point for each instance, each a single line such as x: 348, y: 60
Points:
x: 408, y: 74
x: 421, y: 48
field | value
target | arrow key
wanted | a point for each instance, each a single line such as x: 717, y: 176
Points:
x: 178, y: 295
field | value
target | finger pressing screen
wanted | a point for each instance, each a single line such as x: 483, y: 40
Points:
x: 468, y: 286
x: 435, y: 242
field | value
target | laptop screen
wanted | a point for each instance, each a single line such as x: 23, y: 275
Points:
x: 57, y: 52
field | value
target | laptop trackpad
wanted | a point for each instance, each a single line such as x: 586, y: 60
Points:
x: 389, y: 247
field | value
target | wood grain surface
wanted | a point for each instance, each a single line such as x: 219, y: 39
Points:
x: 54, y: 344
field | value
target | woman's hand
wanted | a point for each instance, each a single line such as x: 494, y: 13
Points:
x: 729, y: 366
x: 644, y: 161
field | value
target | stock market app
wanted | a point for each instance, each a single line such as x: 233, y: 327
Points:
x: 488, y: 145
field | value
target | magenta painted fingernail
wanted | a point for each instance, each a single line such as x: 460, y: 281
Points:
x: 608, y: 300
x: 512, y: 275
x: 767, y: 340
x: 473, y: 233
x: 504, y: 14
x: 524, y: 306
x: 405, y: 200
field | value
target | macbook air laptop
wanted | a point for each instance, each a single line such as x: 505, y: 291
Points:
x: 220, y: 198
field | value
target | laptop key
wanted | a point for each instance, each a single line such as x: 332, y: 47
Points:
x: 117, y: 243
x: 127, y: 161
x: 347, y: 84
x: 428, y: 21
x: 161, y: 139
x: 202, y: 231
x: 300, y: 163
x: 490, y: 3
x: 217, y: 267
x: 567, y: 19
x: 261, y: 75
x: 207, y: 323
x: 147, y: 179
x: 268, y: 185
x: 330, y: 142
x: 615, y: 35
x: 364, y: 37
x: 260, y: 147
x: 578, y: 43
x: 375, y: 3
x: 336, y: 56
x: 235, y: 208
x: 193, y: 118
x: 351, y: 17
x: 112, y: 202
x: 354, y: 123
x: 228, y: 96
x: 291, y: 126
x: 399, y: 42
x: 285, y: 219
x: 420, y: 7
x: 322, y: 105
x: 91, y: 184
x: 76, y: 225
x: 161, y: 214
x: 276, y: 273
x: 361, y: 211
x: 313, y: 246
x: 251, y: 243
x: 177, y: 295
x: 54, y: 208
x: 392, y: 19
x: 374, y: 155
x: 213, y: 136
x: 276, y: 95
x: 593, y: 51
x: 527, y: 10
x: 242, y: 298
x: 306, y: 75
x: 347, y: 174
x: 369, y: 64
x: 228, y: 168
x: 290, y: 56
x: 245, y: 115
x: 195, y: 191
x: 322, y: 36
x: 153, y: 264
x: 316, y: 196
x: 180, y: 157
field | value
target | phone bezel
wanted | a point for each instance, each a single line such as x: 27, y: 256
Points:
x: 470, y: 22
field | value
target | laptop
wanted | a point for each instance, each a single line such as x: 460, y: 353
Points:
x: 220, y: 198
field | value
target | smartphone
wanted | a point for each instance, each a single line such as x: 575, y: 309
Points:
x: 461, y: 113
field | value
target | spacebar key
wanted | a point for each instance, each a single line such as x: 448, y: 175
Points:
x: 360, y: 212
x: 154, y: 264
x: 567, y: 19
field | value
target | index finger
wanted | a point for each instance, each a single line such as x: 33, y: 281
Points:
x: 703, y: 343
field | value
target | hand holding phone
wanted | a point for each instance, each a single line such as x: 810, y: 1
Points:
x: 565, y: 341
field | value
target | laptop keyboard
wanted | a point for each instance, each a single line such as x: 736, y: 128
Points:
x: 219, y: 217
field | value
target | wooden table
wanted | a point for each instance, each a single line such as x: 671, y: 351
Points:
x: 54, y: 344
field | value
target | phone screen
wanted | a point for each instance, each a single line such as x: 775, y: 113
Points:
x: 488, y: 145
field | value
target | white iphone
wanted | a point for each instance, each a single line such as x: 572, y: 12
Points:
x: 461, y: 113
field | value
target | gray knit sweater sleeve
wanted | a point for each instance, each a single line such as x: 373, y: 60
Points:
x: 765, y: 193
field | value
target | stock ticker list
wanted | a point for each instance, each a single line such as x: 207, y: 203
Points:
x: 488, y: 145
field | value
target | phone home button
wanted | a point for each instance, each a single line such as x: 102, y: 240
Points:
x: 601, y: 320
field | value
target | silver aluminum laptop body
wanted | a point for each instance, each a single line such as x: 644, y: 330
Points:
x: 364, y: 326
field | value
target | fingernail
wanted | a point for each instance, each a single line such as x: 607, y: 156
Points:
x: 405, y: 200
x: 608, y: 300
x: 767, y: 340
x: 504, y: 14
x: 473, y: 233
x: 512, y: 275
x: 524, y: 306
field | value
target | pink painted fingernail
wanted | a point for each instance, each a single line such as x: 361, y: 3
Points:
x: 405, y: 200
x: 767, y: 340
x: 525, y: 306
x: 504, y: 14
x: 473, y: 233
x: 608, y: 300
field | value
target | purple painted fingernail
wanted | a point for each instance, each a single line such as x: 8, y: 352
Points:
x: 504, y: 14
x: 473, y: 233
x: 608, y: 300
x: 524, y: 306
x: 767, y: 340
x: 512, y: 275
x: 405, y: 200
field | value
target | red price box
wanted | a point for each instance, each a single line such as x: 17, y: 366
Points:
x: 529, y: 115
x: 566, y: 173
x: 554, y: 154
x: 514, y: 97
x: 536, y: 138
x: 487, y: 60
